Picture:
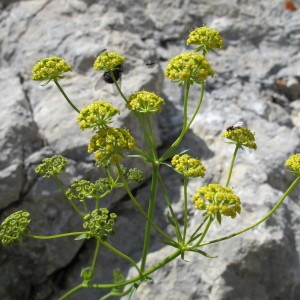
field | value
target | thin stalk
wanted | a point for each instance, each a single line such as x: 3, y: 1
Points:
x: 197, y: 230
x: 287, y: 192
x: 204, y: 233
x: 185, y: 213
x: 139, y: 277
x: 169, y: 152
x: 232, y: 164
x: 72, y: 291
x: 150, y: 215
x: 64, y: 192
x: 66, y: 97
x: 168, y: 201
x: 117, y: 86
x: 122, y: 255
x: 138, y: 207
x: 49, y: 237
x: 96, y: 252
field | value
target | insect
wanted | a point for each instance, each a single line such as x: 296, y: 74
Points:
x: 107, y: 78
x: 237, y: 125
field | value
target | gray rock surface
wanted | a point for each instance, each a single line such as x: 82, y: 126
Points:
x: 257, y: 80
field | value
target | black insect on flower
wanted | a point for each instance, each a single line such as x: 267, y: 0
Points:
x: 237, y: 125
x: 107, y: 76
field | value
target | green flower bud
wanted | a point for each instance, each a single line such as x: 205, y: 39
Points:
x: 82, y: 189
x: 100, y: 223
x: 14, y: 227
x: 52, y: 166
x: 135, y: 175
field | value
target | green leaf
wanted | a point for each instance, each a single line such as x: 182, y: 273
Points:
x: 80, y: 237
x: 219, y: 217
x: 170, y: 243
x: 202, y: 253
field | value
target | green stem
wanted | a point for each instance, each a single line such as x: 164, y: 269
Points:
x: 72, y: 291
x: 138, y: 207
x: 287, y: 192
x: 168, y: 201
x: 232, y: 164
x: 169, y: 152
x: 98, y: 242
x: 139, y: 277
x: 49, y: 237
x: 199, y: 104
x: 155, y: 170
x: 66, y: 97
x: 64, y: 192
x: 117, y: 86
x: 185, y: 213
x: 122, y: 255
x: 197, y: 230
x: 204, y: 233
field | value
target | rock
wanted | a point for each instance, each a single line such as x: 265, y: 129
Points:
x: 256, y: 81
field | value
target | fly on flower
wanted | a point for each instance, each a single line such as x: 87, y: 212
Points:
x: 237, y: 125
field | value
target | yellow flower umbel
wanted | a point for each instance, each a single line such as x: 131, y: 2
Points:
x: 97, y: 115
x: 188, y: 166
x: 109, y: 145
x: 293, y: 163
x: 242, y: 137
x: 51, y: 68
x: 188, y: 68
x: 108, y: 61
x: 145, y: 102
x: 216, y: 201
x: 206, y: 39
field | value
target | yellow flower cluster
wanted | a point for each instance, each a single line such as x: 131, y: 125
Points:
x: 188, y: 67
x: 188, y: 166
x: 108, y: 144
x: 145, y: 102
x: 108, y: 61
x: 242, y: 137
x: 293, y: 163
x: 50, y: 68
x: 206, y: 39
x: 217, y: 200
x: 97, y: 115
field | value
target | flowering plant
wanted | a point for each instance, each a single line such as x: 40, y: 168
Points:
x: 110, y: 145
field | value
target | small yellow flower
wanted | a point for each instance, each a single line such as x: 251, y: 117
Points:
x: 188, y: 166
x: 145, y: 102
x: 293, y: 163
x: 206, y: 39
x: 188, y: 67
x: 216, y: 200
x: 51, y: 68
x: 110, y: 143
x: 97, y: 115
x: 108, y: 61
x: 242, y: 137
